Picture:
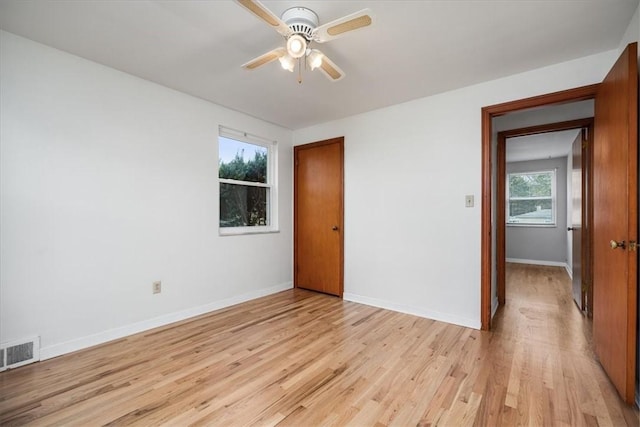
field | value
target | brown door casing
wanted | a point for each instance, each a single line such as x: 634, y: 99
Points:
x: 318, y: 216
x: 488, y: 113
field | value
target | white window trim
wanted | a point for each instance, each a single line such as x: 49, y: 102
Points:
x: 271, y: 184
x: 554, y: 214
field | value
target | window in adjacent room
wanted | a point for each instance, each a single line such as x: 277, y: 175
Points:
x: 247, y: 176
x: 531, y: 198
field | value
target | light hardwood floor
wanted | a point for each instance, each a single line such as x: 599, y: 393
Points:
x: 304, y: 359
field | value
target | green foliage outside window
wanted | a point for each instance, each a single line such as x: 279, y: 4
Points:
x: 530, y: 185
x: 254, y: 170
x: 243, y: 205
x: 531, y: 198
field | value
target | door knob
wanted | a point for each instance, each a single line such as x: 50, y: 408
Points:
x: 616, y: 245
x: 334, y: 228
x: 570, y: 228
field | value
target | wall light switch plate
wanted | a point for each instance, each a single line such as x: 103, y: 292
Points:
x: 468, y: 201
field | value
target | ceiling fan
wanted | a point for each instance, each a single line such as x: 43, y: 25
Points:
x: 300, y: 28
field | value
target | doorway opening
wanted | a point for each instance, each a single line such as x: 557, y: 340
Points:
x: 543, y: 196
x: 489, y: 152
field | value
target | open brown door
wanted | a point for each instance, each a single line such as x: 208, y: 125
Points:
x: 615, y: 222
x: 318, y: 216
x: 587, y: 219
x: 575, y: 227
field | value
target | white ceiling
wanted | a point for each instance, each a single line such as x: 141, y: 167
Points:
x: 542, y: 146
x: 415, y: 48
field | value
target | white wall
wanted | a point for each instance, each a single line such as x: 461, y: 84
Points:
x: 109, y: 182
x: 410, y: 244
x: 632, y: 33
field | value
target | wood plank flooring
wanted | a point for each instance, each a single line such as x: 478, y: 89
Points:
x: 299, y: 358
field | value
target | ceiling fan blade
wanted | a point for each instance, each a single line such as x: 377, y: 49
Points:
x: 265, y: 58
x: 339, y: 27
x: 259, y: 10
x: 330, y: 69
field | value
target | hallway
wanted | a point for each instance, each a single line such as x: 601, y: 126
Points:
x: 544, y: 354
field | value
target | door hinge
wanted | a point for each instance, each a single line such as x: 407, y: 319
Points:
x: 633, y: 245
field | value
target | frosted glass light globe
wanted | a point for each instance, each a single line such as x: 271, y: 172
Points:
x: 296, y: 46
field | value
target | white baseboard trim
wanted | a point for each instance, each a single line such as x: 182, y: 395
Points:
x: 536, y: 262
x: 415, y: 311
x: 569, y: 271
x: 494, y: 307
x: 124, y: 331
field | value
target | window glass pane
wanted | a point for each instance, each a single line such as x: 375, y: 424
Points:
x: 530, y: 185
x: 243, y: 205
x: 531, y: 211
x: 242, y: 161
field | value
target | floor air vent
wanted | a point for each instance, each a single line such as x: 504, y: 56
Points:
x: 18, y: 353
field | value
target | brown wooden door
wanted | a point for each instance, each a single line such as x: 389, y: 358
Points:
x: 576, y: 220
x: 587, y: 219
x: 318, y: 216
x: 615, y: 179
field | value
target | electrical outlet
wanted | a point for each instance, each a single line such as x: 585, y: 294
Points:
x: 157, y: 287
x: 468, y: 201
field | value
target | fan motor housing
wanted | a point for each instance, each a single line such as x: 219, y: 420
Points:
x: 301, y: 21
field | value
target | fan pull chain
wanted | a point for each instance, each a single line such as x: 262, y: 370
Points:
x: 300, y: 71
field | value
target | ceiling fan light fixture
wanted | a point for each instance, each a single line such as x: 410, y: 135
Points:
x: 315, y: 59
x: 300, y: 28
x: 287, y: 62
x: 296, y: 46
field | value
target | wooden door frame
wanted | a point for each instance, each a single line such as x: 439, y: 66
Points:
x: 587, y: 219
x: 501, y: 177
x: 488, y: 113
x: 296, y: 150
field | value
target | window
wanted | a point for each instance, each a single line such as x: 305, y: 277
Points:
x: 531, y: 198
x: 246, y: 172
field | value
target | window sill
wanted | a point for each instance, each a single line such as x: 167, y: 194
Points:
x: 241, y: 231
x: 533, y: 225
